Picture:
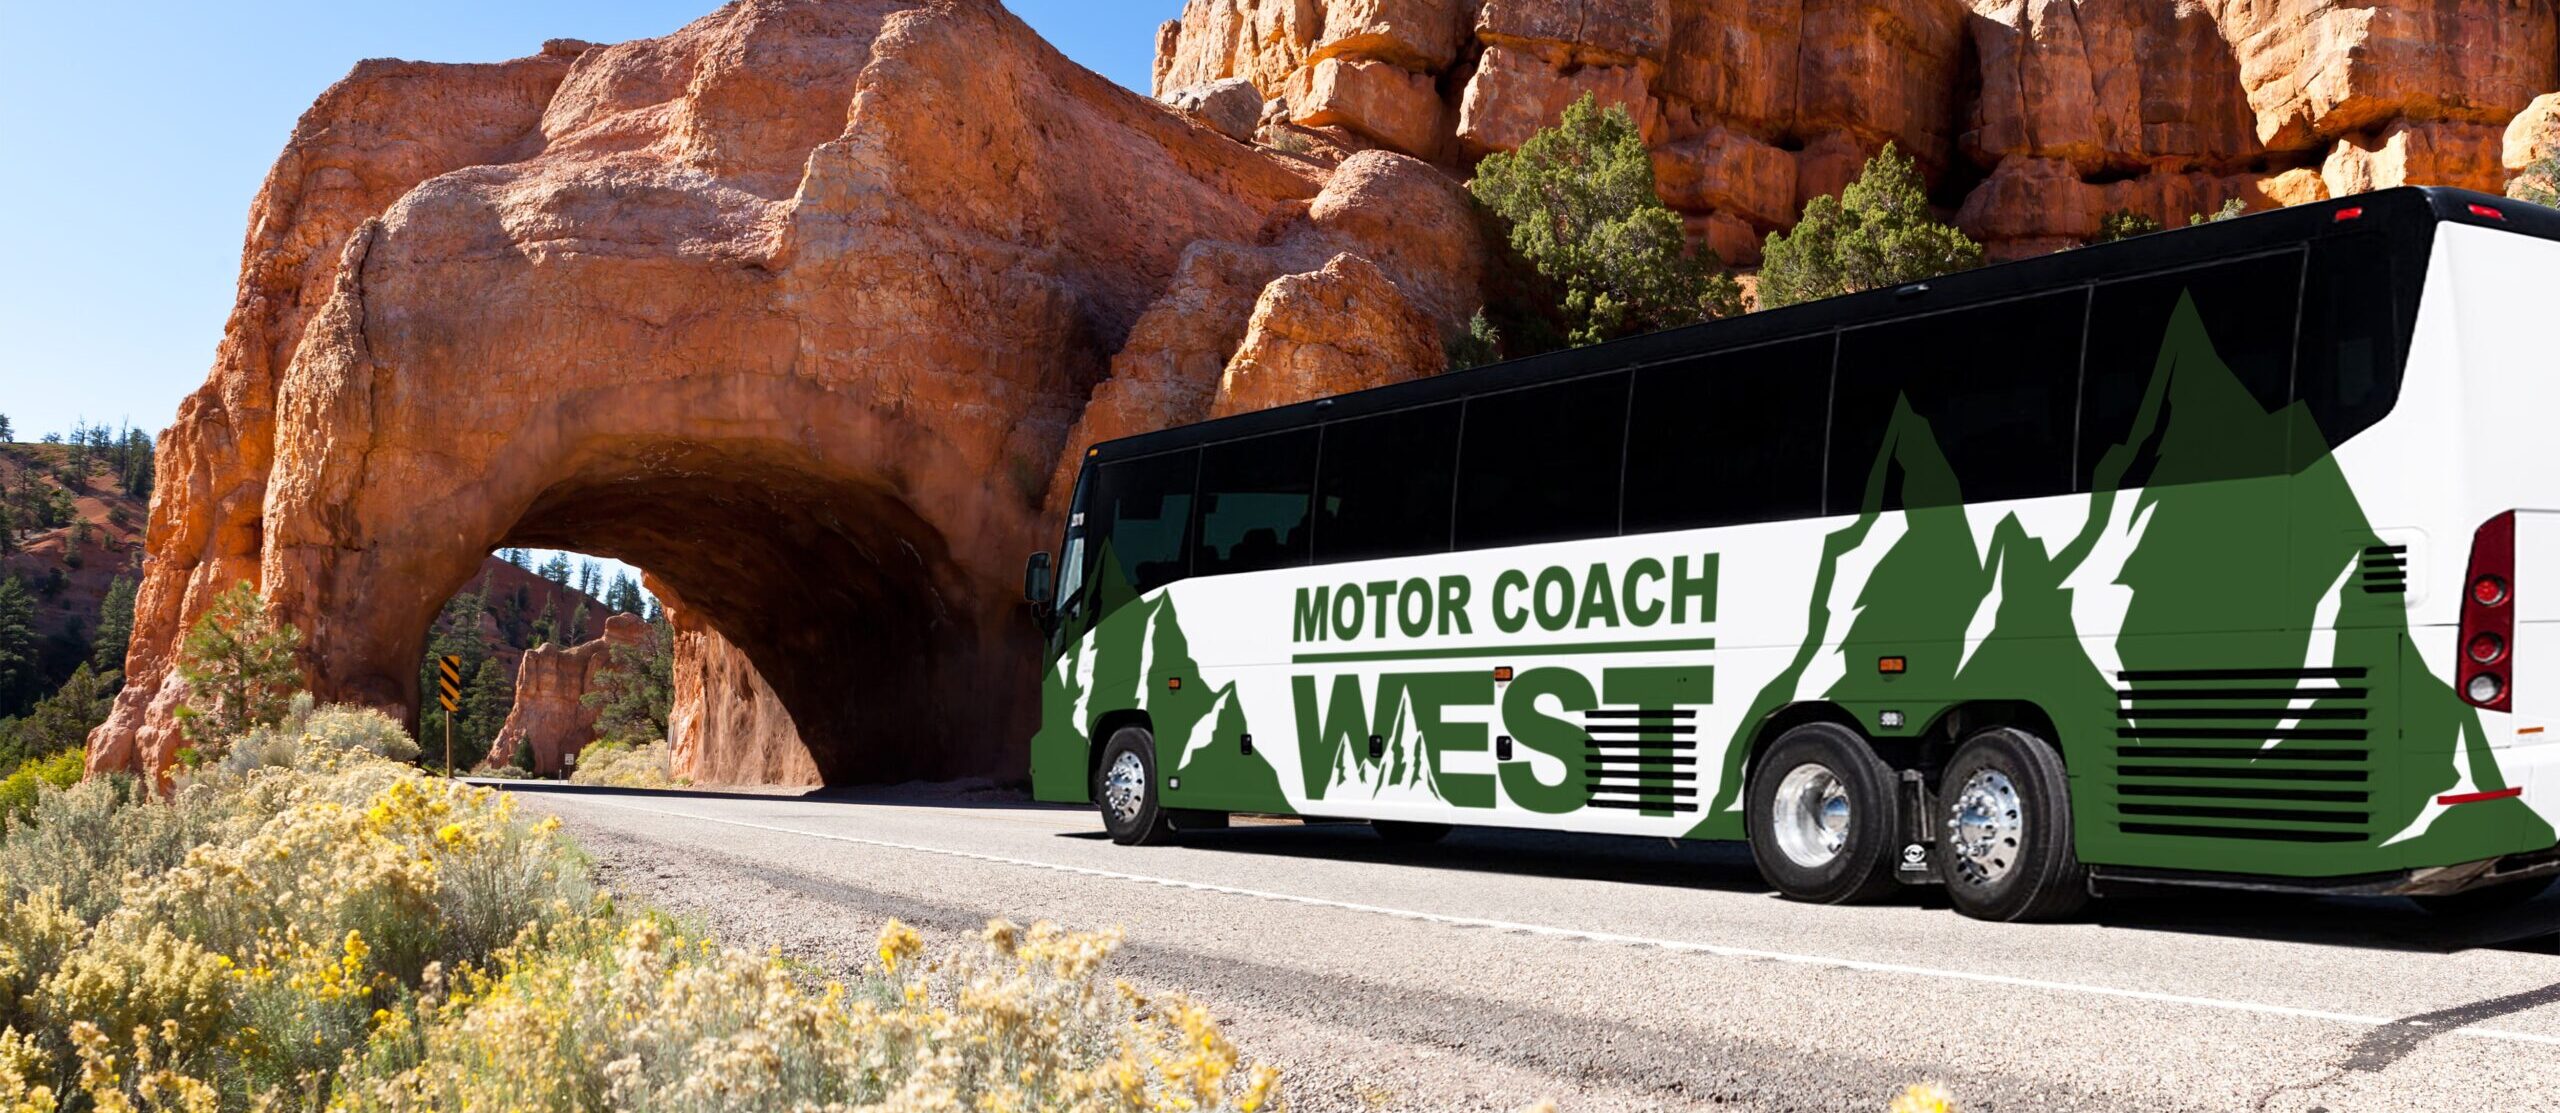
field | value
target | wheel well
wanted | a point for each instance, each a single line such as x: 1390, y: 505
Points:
x: 1110, y: 724
x: 1930, y: 750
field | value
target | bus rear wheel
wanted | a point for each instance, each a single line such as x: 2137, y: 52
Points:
x: 1124, y: 786
x: 1820, y: 815
x: 2004, y: 844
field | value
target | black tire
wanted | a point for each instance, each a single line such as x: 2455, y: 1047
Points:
x: 1141, y: 821
x: 2485, y: 901
x: 2025, y: 868
x: 1850, y: 790
x: 1405, y: 833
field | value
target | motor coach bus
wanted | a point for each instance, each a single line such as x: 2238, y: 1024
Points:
x: 2226, y: 556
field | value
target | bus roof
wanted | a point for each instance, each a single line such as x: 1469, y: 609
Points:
x: 2406, y: 210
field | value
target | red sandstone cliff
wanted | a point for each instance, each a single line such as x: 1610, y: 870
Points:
x: 551, y: 714
x: 809, y: 307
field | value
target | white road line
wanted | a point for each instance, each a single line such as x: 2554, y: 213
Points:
x: 1676, y: 945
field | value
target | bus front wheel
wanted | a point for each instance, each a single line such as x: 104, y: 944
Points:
x: 1820, y: 815
x: 2004, y: 846
x: 1125, y: 788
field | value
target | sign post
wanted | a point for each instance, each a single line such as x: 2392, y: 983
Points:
x: 449, y: 694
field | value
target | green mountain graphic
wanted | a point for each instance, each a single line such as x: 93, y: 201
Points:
x: 2228, y: 574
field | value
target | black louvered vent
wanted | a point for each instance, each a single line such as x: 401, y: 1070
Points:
x: 1642, y: 760
x: 2386, y: 570
x: 2266, y: 755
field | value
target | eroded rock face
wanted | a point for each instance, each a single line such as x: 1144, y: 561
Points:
x: 551, y: 716
x: 795, y: 308
x: 2152, y: 105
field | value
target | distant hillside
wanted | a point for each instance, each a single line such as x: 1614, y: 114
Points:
x: 69, y: 529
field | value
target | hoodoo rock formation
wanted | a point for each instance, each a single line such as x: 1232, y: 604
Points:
x: 2033, y: 118
x: 810, y: 307
x: 551, y: 716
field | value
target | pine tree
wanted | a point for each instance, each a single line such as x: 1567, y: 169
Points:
x: 578, y: 624
x: 635, y: 690
x: 547, y: 626
x: 21, y: 670
x: 485, y: 704
x: 63, y: 720
x: 7, y: 434
x: 8, y: 531
x: 115, y: 625
x: 1879, y: 232
x: 1581, y: 204
x: 238, y: 663
x: 556, y: 569
x: 590, y: 578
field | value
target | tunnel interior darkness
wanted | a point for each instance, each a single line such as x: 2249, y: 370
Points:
x: 888, y: 661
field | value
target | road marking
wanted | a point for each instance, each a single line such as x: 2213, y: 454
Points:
x: 1681, y: 946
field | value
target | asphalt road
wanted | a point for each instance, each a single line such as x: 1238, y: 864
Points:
x: 1499, y: 968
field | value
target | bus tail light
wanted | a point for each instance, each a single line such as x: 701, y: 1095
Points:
x: 2484, y: 212
x: 2489, y: 616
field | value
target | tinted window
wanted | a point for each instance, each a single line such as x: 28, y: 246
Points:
x: 1729, y: 438
x: 1254, y: 498
x: 2219, y: 375
x: 2350, y: 370
x: 1142, y: 509
x: 1994, y: 389
x: 1382, y: 487
x: 1542, y: 464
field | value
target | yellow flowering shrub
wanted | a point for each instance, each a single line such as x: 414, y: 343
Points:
x: 620, y: 765
x: 314, y: 925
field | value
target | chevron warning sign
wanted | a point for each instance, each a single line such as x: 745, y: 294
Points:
x: 449, y: 682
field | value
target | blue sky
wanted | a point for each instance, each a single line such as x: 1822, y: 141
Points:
x: 135, y: 135
x: 132, y: 136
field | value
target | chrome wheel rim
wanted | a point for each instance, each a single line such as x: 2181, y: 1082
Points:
x: 1124, y: 787
x: 1984, y: 824
x: 1812, y: 816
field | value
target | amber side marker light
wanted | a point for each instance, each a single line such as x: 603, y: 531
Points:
x: 1173, y: 683
x: 1502, y: 674
x: 1892, y: 666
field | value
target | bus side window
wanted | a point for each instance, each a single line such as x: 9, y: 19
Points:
x: 2219, y: 388
x: 1729, y: 438
x: 1542, y: 464
x: 1383, y: 485
x: 1141, y: 520
x: 2349, y: 373
x: 1254, y: 498
x: 1994, y: 387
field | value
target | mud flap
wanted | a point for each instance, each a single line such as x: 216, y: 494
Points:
x: 1916, y: 862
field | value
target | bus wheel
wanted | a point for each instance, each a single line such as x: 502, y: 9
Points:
x: 1125, y: 787
x: 1403, y: 833
x: 2005, y: 843
x: 1821, y: 816
x: 2485, y: 901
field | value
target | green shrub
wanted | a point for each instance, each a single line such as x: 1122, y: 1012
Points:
x: 2125, y: 224
x: 623, y: 765
x: 19, y: 790
x: 1580, y: 205
x: 2538, y: 182
x: 1878, y: 233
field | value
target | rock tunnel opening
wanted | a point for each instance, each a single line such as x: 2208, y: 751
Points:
x: 827, y: 595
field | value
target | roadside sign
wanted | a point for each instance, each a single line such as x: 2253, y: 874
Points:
x: 449, y: 682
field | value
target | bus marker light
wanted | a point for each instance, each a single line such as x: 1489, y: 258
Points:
x: 1893, y: 666
x: 2528, y: 730
x: 2344, y: 215
x: 1889, y: 720
x: 1502, y: 674
x: 1173, y: 683
x: 2479, y: 797
x: 2485, y: 212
